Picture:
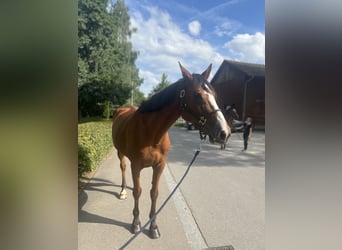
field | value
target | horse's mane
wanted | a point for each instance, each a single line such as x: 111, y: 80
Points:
x: 161, y: 99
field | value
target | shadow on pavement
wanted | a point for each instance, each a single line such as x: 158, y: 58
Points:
x: 211, y: 155
x: 84, y: 216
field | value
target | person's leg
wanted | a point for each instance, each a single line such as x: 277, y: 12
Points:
x: 245, y: 143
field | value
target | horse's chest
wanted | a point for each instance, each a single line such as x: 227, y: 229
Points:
x: 152, y: 156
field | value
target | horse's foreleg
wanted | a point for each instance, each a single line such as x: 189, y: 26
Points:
x: 157, y: 171
x: 123, y: 193
x: 136, y: 225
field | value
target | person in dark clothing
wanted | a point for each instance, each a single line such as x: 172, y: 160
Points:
x: 247, y: 132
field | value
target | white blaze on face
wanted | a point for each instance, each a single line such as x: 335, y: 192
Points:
x: 220, y: 118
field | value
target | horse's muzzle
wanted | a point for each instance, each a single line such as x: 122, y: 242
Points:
x: 223, y: 135
x: 220, y: 131
x: 220, y: 135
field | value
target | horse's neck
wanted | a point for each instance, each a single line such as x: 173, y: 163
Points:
x: 159, y: 122
x: 229, y: 116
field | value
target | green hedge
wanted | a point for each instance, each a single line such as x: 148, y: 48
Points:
x: 94, y: 143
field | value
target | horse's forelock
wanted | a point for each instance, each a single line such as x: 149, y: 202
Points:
x: 201, y: 82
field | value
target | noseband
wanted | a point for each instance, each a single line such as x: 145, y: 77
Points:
x: 202, y: 120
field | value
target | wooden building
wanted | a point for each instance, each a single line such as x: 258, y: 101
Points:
x: 242, y: 84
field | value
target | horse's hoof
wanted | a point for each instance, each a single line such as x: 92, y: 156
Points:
x: 123, y: 195
x: 154, y: 233
x: 135, y: 228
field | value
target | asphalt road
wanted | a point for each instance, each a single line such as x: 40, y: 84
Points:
x: 221, y: 202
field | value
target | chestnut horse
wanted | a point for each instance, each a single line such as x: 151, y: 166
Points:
x: 141, y: 134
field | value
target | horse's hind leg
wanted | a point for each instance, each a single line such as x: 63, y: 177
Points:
x: 157, y: 171
x: 123, y: 193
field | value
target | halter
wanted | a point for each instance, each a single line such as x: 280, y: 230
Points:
x: 202, y: 120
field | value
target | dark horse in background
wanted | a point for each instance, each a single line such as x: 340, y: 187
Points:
x: 141, y: 134
x: 232, y: 118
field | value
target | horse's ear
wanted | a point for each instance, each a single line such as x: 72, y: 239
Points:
x: 206, y: 73
x: 185, y: 72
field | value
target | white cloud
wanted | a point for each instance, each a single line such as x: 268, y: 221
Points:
x: 226, y: 28
x: 161, y: 44
x: 150, y: 81
x: 247, y: 48
x: 194, y: 28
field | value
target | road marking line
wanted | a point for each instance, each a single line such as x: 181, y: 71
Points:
x: 192, y: 232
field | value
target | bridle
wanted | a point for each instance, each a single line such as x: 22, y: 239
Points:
x: 201, y: 120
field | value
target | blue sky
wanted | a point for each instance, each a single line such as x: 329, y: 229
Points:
x: 196, y: 33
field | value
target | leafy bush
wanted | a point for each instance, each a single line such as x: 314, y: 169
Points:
x: 93, y: 96
x: 94, y: 143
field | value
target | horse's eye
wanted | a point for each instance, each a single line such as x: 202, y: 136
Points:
x: 198, y: 97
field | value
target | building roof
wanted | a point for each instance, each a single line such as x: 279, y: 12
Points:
x: 249, y: 69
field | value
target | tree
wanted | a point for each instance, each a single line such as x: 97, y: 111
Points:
x: 138, y: 97
x: 162, y: 85
x: 93, y: 22
x: 93, y: 96
x: 106, y: 60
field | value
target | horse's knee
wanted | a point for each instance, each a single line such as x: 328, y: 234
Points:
x: 136, y: 193
x: 154, y: 193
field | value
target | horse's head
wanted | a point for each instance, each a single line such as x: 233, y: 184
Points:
x: 230, y: 112
x: 198, y: 104
x: 232, y: 116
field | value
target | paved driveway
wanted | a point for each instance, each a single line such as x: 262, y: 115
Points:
x: 225, y: 189
x: 221, y: 202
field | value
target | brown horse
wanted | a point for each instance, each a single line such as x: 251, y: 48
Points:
x: 141, y: 134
